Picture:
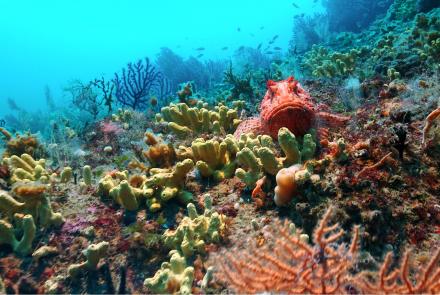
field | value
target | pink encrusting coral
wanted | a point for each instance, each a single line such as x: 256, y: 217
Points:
x: 110, y: 129
x: 287, y: 104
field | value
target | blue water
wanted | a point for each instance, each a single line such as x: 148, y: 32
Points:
x: 52, y: 42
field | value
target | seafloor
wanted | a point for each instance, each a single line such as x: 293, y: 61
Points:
x: 106, y: 220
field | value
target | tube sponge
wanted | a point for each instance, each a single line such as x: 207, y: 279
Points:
x: 66, y: 175
x: 195, y: 231
x: 173, y: 277
x: 213, y: 158
x: 7, y: 234
x: 125, y: 196
x: 94, y: 253
x: 87, y: 175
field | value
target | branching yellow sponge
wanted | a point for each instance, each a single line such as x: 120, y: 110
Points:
x: 160, y: 187
x: 173, y: 277
x: 321, y: 62
x: 257, y: 156
x: 183, y: 120
x: 213, y: 158
x: 166, y: 184
x: 126, y: 196
x: 30, y: 199
x: 94, y: 253
x: 7, y: 234
x: 25, y: 168
x: 195, y: 231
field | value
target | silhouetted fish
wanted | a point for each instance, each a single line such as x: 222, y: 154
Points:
x: 275, y: 37
x: 200, y: 48
x: 277, y: 48
x: 295, y: 5
x: 238, y: 29
x: 225, y: 48
x: 252, y: 34
x: 259, y: 46
x: 241, y: 48
x: 271, y: 41
x: 269, y: 52
x: 2, y: 123
x: 262, y: 28
x: 200, y: 55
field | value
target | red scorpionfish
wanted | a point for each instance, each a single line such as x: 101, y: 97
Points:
x: 287, y: 104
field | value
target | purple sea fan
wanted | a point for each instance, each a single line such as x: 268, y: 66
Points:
x: 137, y: 83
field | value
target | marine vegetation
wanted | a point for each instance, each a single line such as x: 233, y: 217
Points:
x: 265, y: 166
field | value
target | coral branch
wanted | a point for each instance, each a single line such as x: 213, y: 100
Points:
x: 289, y: 265
x: 428, y: 124
x: 375, y: 166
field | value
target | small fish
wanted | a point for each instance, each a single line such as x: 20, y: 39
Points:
x: 200, y: 48
x: 271, y: 42
x: 277, y: 48
x: 295, y: 5
x: 225, y: 48
x: 200, y: 55
x: 252, y: 34
x: 240, y: 48
x: 262, y: 28
x: 269, y: 52
x: 275, y: 37
x: 259, y: 46
x: 238, y: 29
x: 2, y: 123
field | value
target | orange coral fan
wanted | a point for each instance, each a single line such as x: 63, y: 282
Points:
x: 291, y: 265
x: 428, y: 124
x: 426, y: 278
x: 381, y: 162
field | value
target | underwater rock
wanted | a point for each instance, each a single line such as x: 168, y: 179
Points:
x: 427, y: 5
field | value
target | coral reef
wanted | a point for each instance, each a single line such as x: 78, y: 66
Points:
x: 155, y: 181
